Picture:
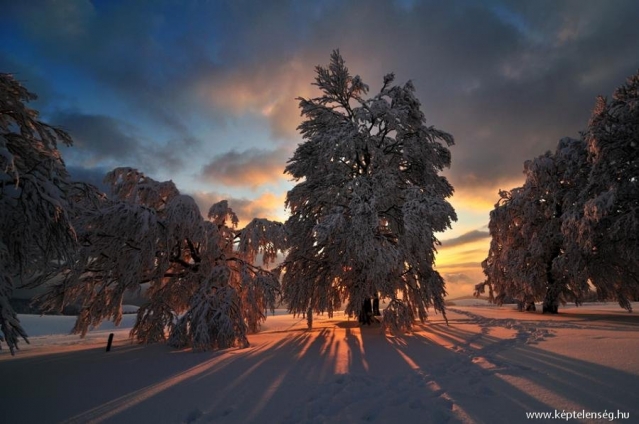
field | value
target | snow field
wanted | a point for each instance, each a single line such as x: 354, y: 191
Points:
x: 490, y: 364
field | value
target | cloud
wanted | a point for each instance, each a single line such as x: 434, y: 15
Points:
x: 508, y: 79
x: 93, y: 176
x: 268, y: 205
x: 465, y: 238
x: 505, y: 80
x: 460, y: 265
x: 457, y: 278
x: 268, y: 90
x: 105, y: 142
x: 119, y: 48
x: 462, y: 282
x: 99, y: 138
x: 476, y: 194
x: 253, y: 167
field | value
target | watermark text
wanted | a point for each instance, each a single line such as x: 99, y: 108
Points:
x: 578, y: 415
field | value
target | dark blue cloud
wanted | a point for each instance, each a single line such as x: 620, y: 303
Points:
x: 98, y: 138
x: 93, y: 176
x: 468, y: 237
x: 506, y: 78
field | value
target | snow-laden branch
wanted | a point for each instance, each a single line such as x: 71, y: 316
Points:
x: 35, y: 213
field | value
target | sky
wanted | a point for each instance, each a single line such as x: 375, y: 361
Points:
x: 203, y: 92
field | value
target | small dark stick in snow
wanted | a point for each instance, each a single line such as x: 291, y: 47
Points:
x: 109, y: 342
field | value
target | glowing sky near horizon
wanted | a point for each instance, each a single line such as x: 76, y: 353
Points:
x: 203, y: 92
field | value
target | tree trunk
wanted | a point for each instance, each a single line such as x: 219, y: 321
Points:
x: 551, y: 300
x: 309, y: 318
x: 366, y: 314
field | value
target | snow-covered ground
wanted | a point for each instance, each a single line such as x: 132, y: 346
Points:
x: 490, y: 364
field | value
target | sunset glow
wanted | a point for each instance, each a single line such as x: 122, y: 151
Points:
x: 214, y: 106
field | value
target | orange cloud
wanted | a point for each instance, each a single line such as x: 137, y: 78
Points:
x: 268, y: 90
x: 268, y: 205
x: 475, y: 195
x: 459, y: 261
x: 462, y: 257
x: 461, y: 278
x: 459, y: 289
x: 251, y: 168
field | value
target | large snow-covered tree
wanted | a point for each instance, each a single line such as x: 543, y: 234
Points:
x: 574, y: 224
x: 368, y: 202
x: 605, y: 229
x: 35, y: 227
x: 204, y: 289
x: 526, y: 258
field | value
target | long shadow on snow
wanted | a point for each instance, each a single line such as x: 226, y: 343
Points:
x: 338, y: 373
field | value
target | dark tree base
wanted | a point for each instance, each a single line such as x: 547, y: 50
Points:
x: 551, y: 309
x: 526, y: 306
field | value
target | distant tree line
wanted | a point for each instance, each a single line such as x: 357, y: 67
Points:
x: 573, y: 226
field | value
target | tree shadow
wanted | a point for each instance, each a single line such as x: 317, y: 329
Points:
x: 337, y: 373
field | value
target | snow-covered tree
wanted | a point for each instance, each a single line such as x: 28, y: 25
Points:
x: 575, y: 221
x: 368, y: 202
x: 203, y: 287
x: 605, y: 229
x: 35, y: 228
x: 506, y: 240
x: 526, y: 258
